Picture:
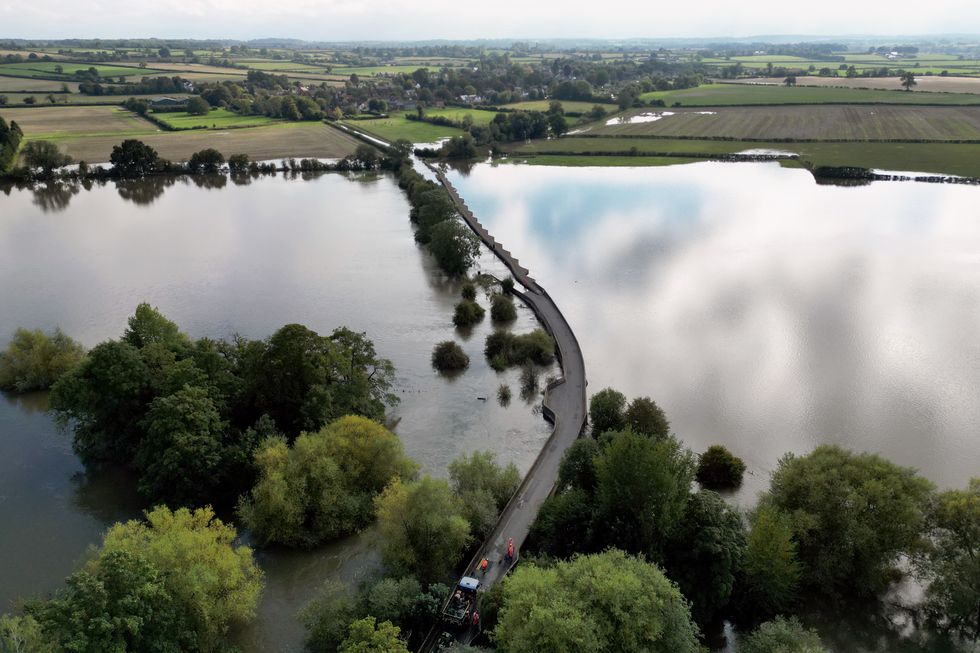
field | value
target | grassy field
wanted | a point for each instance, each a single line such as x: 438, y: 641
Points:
x: 370, y: 71
x: 712, y: 95
x: 397, y: 127
x: 17, y: 99
x: 933, y: 84
x: 47, y: 68
x: 13, y: 84
x: 456, y: 113
x: 56, y: 123
x: 216, y: 119
x: 280, y: 140
x: 938, y: 158
x: 854, y: 123
x: 567, y: 105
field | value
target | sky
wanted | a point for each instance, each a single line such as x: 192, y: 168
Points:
x: 351, y: 20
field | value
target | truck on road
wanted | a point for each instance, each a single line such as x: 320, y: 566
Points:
x: 459, y: 608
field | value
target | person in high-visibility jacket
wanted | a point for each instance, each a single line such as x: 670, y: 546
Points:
x: 510, y: 549
x: 484, y: 565
x: 476, y: 618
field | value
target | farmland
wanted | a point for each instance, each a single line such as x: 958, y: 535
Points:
x: 398, y: 127
x: 713, y: 95
x: 931, y: 84
x: 57, y: 123
x: 216, y: 119
x: 568, y: 105
x: 48, y: 69
x: 852, y: 123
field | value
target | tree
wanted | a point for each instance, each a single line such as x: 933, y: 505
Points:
x: 133, y: 158
x: 449, y: 357
x: 790, y: 80
x: 502, y: 308
x: 782, y: 636
x: 718, y: 468
x: 854, y: 516
x: 207, y: 161
x: 198, y: 106
x: 484, y: 487
x: 423, y: 528
x: 34, y: 360
x: 322, y: 487
x: 148, y: 326
x: 907, y: 80
x: 607, y: 602
x: 645, y: 417
x: 327, y: 618
x: 642, y: 489
x: 770, y: 572
x: 558, y: 124
x: 44, y: 155
x: 454, y: 247
x: 181, y: 453
x: 607, y: 411
x: 238, y: 163
x: 213, y: 580
x: 22, y: 635
x: 705, y: 552
x: 952, y: 563
x: 104, y: 398
x: 368, y: 636
x: 120, y: 604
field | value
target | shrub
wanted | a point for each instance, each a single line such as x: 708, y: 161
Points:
x: 503, y: 394
x: 504, y: 349
x: 502, y: 309
x: 507, y: 284
x: 448, y: 356
x: 469, y: 291
x: 783, y: 635
x: 34, y: 360
x: 468, y: 313
x: 719, y: 468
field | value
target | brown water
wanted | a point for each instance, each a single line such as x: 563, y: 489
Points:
x: 324, y: 252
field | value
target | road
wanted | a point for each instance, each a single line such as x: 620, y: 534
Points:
x: 564, y: 406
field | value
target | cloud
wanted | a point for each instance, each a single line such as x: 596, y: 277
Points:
x: 441, y: 19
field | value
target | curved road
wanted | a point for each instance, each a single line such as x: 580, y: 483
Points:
x: 564, y: 406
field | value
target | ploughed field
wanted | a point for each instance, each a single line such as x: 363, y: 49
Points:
x: 841, y: 122
x: 709, y: 95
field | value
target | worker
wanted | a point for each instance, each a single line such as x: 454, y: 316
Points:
x: 476, y: 618
x: 484, y: 565
x: 510, y: 549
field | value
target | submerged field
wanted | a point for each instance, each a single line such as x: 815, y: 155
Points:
x: 398, y: 127
x: 938, y: 158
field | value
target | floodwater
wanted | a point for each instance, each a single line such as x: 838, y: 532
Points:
x: 767, y: 313
x: 761, y: 310
x: 221, y: 258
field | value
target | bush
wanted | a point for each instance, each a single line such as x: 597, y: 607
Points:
x: 507, y: 284
x: 504, y: 349
x: 469, y: 292
x: 784, y: 636
x: 718, y: 468
x: 503, y: 394
x: 468, y: 313
x: 448, y: 356
x: 34, y: 360
x: 502, y: 309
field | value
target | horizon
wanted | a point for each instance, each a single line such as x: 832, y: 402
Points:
x: 342, y: 21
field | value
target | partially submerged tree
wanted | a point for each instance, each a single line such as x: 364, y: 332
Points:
x: 34, y: 360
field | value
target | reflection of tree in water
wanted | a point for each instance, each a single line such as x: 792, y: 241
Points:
x: 29, y: 402
x: 108, y: 495
x: 54, y: 196
x: 210, y: 182
x: 243, y: 178
x: 144, y: 191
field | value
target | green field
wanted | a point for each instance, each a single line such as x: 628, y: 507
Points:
x: 397, y: 127
x: 938, y: 158
x: 567, y: 105
x: 216, y: 119
x: 715, y: 95
x: 370, y: 71
x: 819, y: 122
x: 47, y: 69
x: 455, y: 113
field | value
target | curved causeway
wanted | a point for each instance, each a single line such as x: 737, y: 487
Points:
x: 564, y: 406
